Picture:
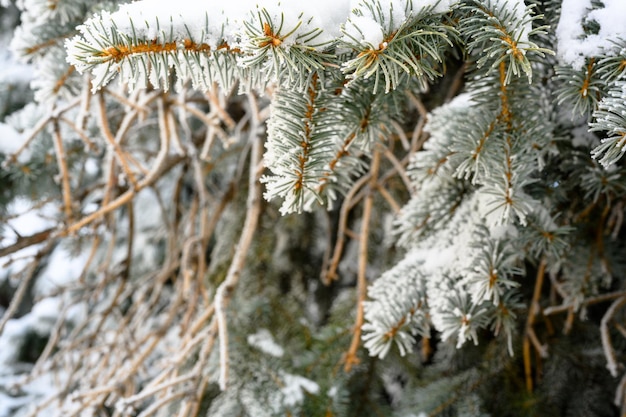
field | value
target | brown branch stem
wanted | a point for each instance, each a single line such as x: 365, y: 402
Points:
x: 351, y: 357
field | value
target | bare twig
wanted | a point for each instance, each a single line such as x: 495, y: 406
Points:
x: 65, y: 176
x: 225, y: 290
x: 164, y: 165
x: 533, y: 309
x: 32, y: 134
x: 331, y: 274
x: 25, y: 284
x: 351, y: 357
x: 26, y: 241
x: 549, y: 311
x: 108, y: 135
x: 607, y: 346
x: 398, y: 166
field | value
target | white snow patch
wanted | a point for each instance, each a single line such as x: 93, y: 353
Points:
x: 62, y: 269
x: 40, y: 320
x: 225, y: 21
x: 518, y: 9
x: 369, y: 26
x: 294, y: 388
x: 26, y: 220
x: 574, y: 45
x: 10, y: 140
x: 264, y: 341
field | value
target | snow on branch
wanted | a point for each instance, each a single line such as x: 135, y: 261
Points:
x: 610, y: 117
x: 500, y: 29
x: 145, y: 40
x: 398, y: 309
x: 575, y: 44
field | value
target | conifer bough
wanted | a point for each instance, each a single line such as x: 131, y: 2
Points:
x: 506, y: 182
x: 342, y: 71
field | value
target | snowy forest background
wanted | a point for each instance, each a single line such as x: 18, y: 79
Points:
x: 343, y: 208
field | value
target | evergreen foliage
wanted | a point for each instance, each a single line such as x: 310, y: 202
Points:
x: 351, y: 208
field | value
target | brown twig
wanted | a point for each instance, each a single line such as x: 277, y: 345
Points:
x: 108, y: 135
x: 533, y: 311
x: 64, y: 172
x: 17, y: 298
x: 351, y: 357
x: 26, y: 241
x: 607, y: 346
x: 331, y: 274
x: 226, y: 288
x: 165, y: 165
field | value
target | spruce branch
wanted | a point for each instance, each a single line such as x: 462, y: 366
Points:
x: 584, y: 88
x: 415, y: 49
x: 502, y: 34
x: 298, y: 137
x: 610, y: 117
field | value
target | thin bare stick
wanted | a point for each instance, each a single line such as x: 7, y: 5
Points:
x: 539, y: 347
x: 139, y: 107
x: 207, y: 119
x: 108, y: 135
x: 401, y: 135
x: 398, y: 165
x: 607, y: 346
x: 587, y: 302
x: 26, y: 241
x: 331, y: 274
x: 153, y: 390
x: 24, y: 285
x: 620, y: 398
x: 65, y: 176
x: 534, y: 307
x: 225, y: 290
x: 32, y: 134
x: 388, y: 198
x: 159, y: 404
x: 351, y: 357
x: 123, y: 199
x: 218, y: 108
